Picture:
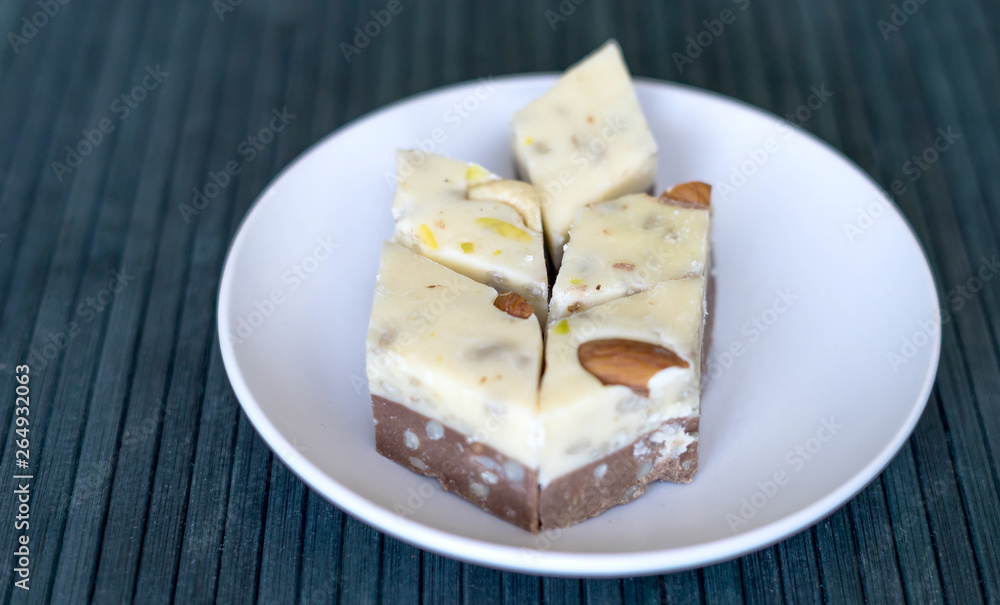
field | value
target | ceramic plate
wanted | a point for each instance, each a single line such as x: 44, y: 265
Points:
x: 823, y: 352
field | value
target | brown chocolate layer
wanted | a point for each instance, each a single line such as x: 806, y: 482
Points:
x: 509, y: 490
x: 591, y: 490
x: 473, y: 470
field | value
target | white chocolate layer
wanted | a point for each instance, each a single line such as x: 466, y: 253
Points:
x: 585, y: 420
x: 428, y: 177
x: 437, y: 345
x: 484, y: 239
x: 586, y: 140
x: 624, y: 246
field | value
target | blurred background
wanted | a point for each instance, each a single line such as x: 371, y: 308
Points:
x: 151, y: 486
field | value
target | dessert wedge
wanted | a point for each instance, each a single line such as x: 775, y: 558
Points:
x: 584, y: 141
x: 624, y: 246
x: 453, y: 370
x: 470, y: 220
x: 619, y: 400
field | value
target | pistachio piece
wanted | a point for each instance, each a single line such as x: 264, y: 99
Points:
x: 505, y: 229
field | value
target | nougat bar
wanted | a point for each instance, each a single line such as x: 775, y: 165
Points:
x: 453, y: 369
x: 584, y: 141
x: 620, y: 400
x: 465, y: 217
x: 624, y: 246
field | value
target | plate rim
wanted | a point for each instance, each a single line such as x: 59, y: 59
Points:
x: 554, y: 562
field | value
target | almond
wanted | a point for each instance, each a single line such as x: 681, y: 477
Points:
x: 626, y: 362
x: 690, y: 195
x: 513, y: 304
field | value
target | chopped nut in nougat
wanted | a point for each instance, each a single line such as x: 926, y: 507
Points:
x: 584, y: 141
x: 454, y: 382
x: 472, y: 221
x: 624, y: 246
x: 620, y: 400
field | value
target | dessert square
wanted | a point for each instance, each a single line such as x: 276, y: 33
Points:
x: 472, y: 221
x: 620, y: 400
x: 453, y: 370
x: 624, y: 246
x: 586, y: 140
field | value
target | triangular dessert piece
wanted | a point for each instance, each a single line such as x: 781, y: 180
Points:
x: 453, y: 371
x: 584, y: 141
x: 463, y: 216
x: 624, y: 246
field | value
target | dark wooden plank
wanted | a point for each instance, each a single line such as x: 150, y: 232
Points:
x: 959, y: 390
x: 400, y: 581
x: 331, y: 78
x: 359, y: 562
x: 561, y: 591
x: 722, y: 583
x: 122, y: 532
x: 151, y: 245
x: 27, y: 250
x: 390, y: 54
x: 423, y: 70
x: 79, y: 266
x: 761, y: 576
x: 980, y: 83
x: 36, y: 72
x: 973, y: 77
x: 942, y: 500
x: 281, y: 544
x: 974, y: 358
x: 893, y: 118
x: 971, y: 427
x: 644, y: 590
x: 25, y: 265
x: 198, y: 567
x: 910, y: 528
x: 164, y: 525
x: 838, y: 560
x: 280, y: 549
x: 602, y: 591
x: 143, y: 31
x: 481, y: 585
x: 682, y: 24
x: 441, y: 579
x: 521, y: 588
x: 972, y: 183
x: 648, y: 50
x: 199, y: 560
x: 361, y: 73
x: 969, y: 219
x: 863, y: 98
x: 10, y: 21
x: 319, y: 574
x: 319, y: 581
x: 743, y: 48
x: 203, y: 533
x: 246, y: 506
x: 800, y: 579
x: 876, y: 549
x: 322, y: 541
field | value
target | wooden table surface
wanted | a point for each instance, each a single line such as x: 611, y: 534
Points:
x: 149, y: 484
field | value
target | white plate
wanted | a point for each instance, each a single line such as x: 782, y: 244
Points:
x: 850, y: 341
